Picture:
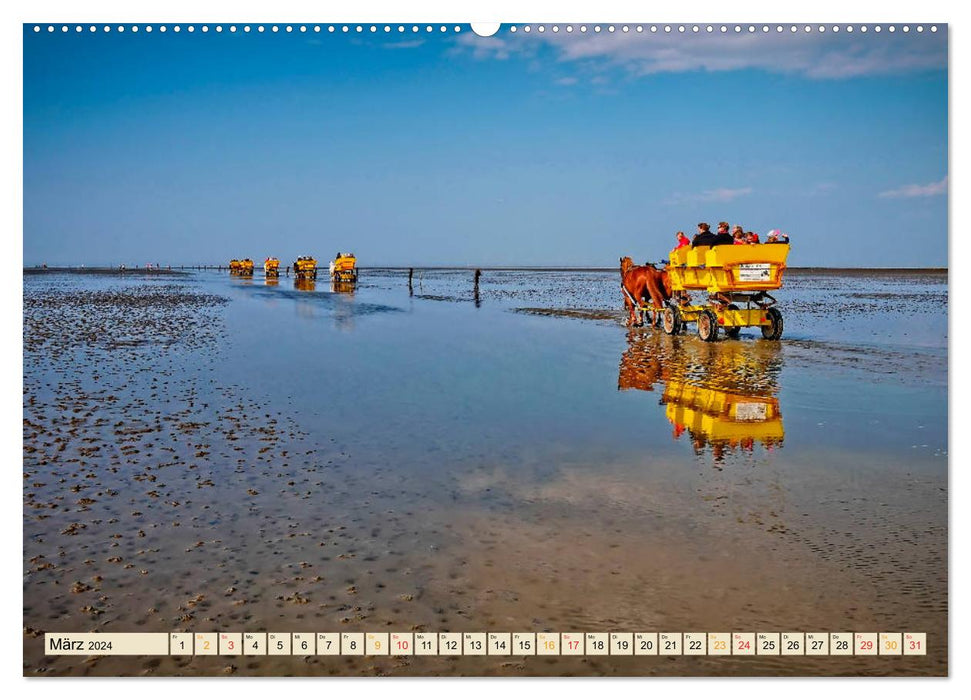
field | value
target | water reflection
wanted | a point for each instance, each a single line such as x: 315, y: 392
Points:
x: 723, y: 421
x: 338, y: 287
x: 720, y: 396
x: 304, y: 284
x: 271, y: 281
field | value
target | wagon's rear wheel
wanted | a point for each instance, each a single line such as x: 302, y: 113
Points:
x: 732, y: 331
x: 707, y: 326
x: 672, y: 321
x: 773, y: 331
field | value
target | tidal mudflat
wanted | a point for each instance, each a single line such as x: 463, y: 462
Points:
x: 204, y: 453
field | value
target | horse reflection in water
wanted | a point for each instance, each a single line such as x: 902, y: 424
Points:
x: 722, y: 396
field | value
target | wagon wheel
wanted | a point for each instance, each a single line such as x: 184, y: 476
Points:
x: 707, y: 326
x: 774, y: 330
x: 732, y: 331
x: 672, y: 321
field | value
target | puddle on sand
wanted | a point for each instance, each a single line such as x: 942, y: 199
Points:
x: 319, y: 459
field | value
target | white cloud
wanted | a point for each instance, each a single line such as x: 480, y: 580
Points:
x: 720, y: 194
x: 486, y: 47
x: 566, y: 81
x: 929, y: 190
x: 406, y: 44
x: 813, y: 55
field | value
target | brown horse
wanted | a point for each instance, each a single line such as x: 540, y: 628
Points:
x: 642, y: 282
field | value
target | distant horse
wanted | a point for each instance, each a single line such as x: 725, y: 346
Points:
x: 642, y: 282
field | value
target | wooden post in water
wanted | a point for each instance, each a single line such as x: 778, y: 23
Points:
x: 475, y: 289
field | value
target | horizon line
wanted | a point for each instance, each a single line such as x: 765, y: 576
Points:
x: 496, y: 268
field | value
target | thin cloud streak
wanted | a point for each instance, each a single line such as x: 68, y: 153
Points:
x: 484, y: 48
x: 815, y: 55
x: 906, y: 191
x: 720, y: 194
x: 407, y: 44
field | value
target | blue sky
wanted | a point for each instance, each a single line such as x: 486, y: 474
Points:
x: 431, y: 148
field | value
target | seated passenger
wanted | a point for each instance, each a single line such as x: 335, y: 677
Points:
x: 752, y: 237
x: 706, y: 237
x: 682, y: 240
x: 739, y: 237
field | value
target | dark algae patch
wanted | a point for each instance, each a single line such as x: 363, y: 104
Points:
x: 60, y: 320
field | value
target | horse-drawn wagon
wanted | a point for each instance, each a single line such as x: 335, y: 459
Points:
x: 736, y: 281
x: 344, y: 268
x: 243, y: 268
x: 305, y: 267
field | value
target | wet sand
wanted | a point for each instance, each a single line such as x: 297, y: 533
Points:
x: 165, y: 491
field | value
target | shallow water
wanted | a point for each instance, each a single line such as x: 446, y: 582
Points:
x: 214, y: 453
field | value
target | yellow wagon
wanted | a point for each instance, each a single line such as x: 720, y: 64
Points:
x: 344, y: 268
x: 305, y: 267
x: 736, y: 279
x: 245, y: 267
x: 271, y: 267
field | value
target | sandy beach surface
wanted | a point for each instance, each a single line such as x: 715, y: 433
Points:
x: 206, y: 453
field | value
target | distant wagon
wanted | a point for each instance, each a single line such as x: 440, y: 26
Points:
x: 344, y: 268
x: 305, y: 267
x: 271, y: 267
x: 244, y: 267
